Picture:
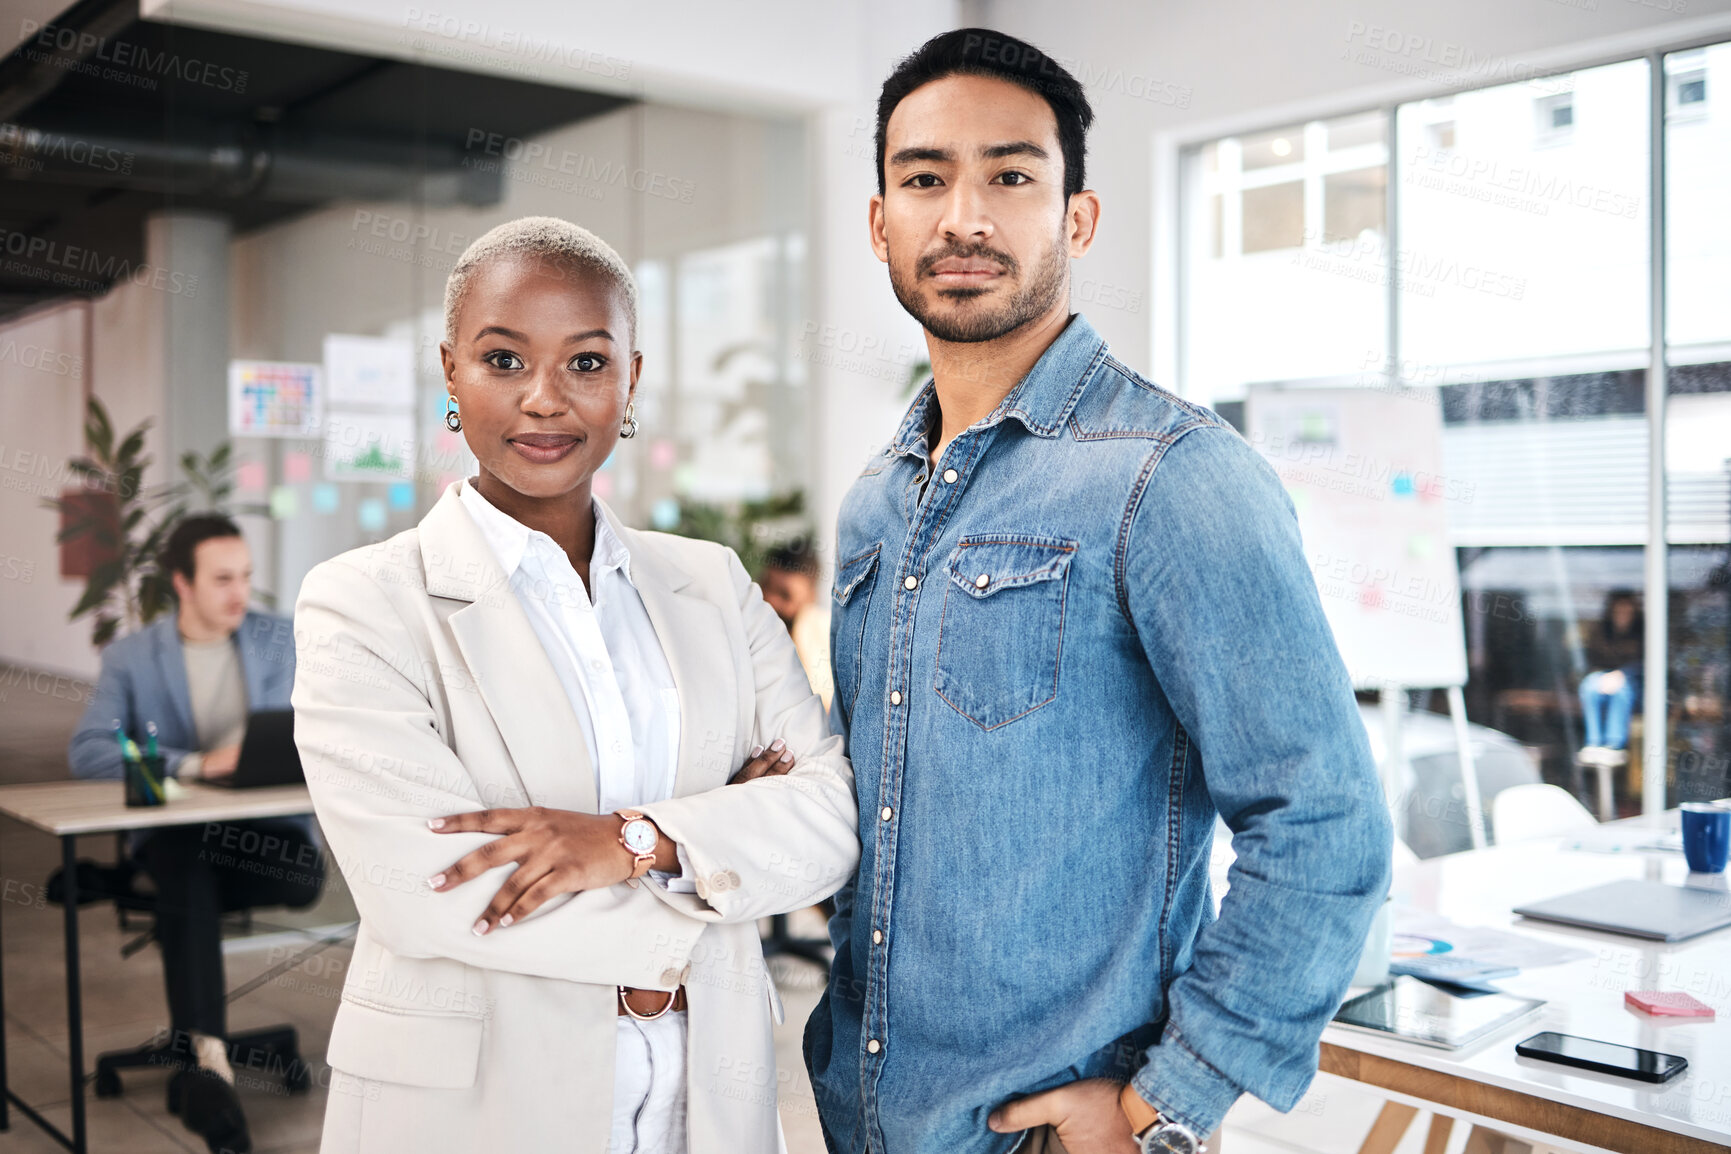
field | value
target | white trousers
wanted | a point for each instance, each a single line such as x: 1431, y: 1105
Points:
x: 649, y: 1086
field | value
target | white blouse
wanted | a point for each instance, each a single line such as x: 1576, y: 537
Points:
x: 605, y: 652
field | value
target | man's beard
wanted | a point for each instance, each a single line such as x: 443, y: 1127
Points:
x: 1032, y: 300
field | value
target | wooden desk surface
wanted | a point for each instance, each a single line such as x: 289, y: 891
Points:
x: 79, y: 807
x: 1690, y: 1113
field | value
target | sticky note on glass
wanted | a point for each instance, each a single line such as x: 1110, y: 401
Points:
x: 1668, y: 1004
x: 371, y: 514
x: 282, y: 502
x: 297, y: 466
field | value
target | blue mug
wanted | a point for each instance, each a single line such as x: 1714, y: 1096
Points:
x: 1706, y: 836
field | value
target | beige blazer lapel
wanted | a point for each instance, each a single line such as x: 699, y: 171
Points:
x: 694, y: 638
x: 506, y: 661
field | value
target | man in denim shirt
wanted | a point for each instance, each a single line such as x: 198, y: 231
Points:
x: 1072, y: 621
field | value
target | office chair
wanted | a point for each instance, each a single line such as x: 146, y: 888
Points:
x: 270, y: 1048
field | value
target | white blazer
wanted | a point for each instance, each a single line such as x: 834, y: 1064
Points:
x: 421, y: 689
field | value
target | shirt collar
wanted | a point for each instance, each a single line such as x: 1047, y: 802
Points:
x: 1041, y: 401
x: 510, y: 539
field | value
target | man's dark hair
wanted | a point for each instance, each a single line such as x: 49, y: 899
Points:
x: 796, y: 556
x: 179, y: 554
x: 983, y: 52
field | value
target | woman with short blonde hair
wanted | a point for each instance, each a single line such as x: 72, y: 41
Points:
x: 523, y: 724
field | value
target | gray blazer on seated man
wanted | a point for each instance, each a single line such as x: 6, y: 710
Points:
x: 147, y: 676
x: 197, y: 673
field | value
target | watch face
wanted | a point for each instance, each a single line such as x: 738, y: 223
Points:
x: 1170, y: 1138
x: 639, y: 836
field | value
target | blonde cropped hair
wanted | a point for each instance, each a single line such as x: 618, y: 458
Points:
x: 547, y: 241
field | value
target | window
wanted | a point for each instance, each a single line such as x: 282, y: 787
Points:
x: 1273, y: 217
x: 1519, y: 292
x: 1553, y: 118
x: 1290, y: 227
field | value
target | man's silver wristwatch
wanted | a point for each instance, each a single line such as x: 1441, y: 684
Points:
x: 1170, y: 1138
x: 1154, y: 1133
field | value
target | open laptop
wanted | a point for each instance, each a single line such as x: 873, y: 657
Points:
x: 1641, y: 909
x: 267, y: 753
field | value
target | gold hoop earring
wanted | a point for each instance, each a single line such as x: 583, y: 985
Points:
x: 453, y: 419
x: 629, y: 429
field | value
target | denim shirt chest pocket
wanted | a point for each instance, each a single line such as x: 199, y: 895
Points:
x: 851, y: 600
x: 1003, y: 625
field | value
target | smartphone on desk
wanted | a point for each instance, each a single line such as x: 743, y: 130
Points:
x: 1602, y: 1057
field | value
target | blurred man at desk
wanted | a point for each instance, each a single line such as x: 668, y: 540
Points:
x: 196, y: 673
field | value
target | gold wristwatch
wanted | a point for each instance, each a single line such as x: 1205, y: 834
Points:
x: 640, y: 837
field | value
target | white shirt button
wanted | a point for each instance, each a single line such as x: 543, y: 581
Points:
x: 895, y: 697
x: 888, y: 813
x: 912, y: 582
x: 983, y: 580
x: 873, y: 1046
x: 877, y: 937
x: 950, y: 476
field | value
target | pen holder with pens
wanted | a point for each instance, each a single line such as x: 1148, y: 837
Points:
x: 144, y: 777
x: 144, y: 770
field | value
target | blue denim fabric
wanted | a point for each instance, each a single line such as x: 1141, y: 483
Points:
x: 1607, y: 714
x: 1051, y: 673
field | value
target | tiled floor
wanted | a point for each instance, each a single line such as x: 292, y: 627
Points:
x: 123, y: 1000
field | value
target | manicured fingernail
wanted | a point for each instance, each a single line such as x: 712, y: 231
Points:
x: 756, y: 750
x: 788, y: 756
x: 778, y: 743
x: 479, y: 928
x: 436, y: 880
x: 435, y: 823
x: 506, y: 920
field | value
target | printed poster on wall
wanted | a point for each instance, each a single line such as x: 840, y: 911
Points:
x: 369, y: 372
x: 274, y: 399
x: 369, y: 446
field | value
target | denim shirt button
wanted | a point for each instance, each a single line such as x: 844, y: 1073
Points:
x: 896, y: 697
x: 983, y: 580
x: 877, y: 937
x: 888, y: 813
x: 950, y: 476
x: 873, y: 1046
x: 912, y: 582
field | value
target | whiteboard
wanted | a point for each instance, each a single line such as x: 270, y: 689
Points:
x: 1364, y: 469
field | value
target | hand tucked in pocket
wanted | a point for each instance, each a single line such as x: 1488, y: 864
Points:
x: 559, y: 851
x: 1085, y: 1114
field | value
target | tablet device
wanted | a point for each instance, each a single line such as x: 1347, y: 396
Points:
x: 1411, y: 1009
x: 1641, y: 909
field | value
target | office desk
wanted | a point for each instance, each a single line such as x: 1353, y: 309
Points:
x: 1488, y: 1083
x: 67, y: 809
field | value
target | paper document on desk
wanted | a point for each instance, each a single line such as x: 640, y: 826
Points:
x: 1614, y: 839
x: 1418, y: 933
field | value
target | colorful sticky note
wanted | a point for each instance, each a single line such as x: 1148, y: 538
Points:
x: 402, y: 495
x: 251, y: 477
x: 665, y: 515
x: 1403, y: 486
x: 1420, y: 545
x: 371, y: 514
x: 326, y: 498
x: 662, y: 454
x: 297, y: 467
x: 283, y: 502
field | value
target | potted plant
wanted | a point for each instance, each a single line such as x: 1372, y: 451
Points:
x: 112, y: 528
